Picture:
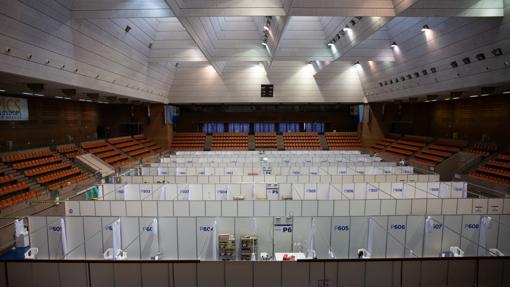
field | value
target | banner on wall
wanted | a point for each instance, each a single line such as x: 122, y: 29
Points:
x: 13, y: 109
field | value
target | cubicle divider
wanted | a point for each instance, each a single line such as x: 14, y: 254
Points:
x: 323, y: 164
x: 286, y: 191
x: 320, y: 237
x: 280, y: 179
x: 455, y: 271
x: 285, y: 170
x: 370, y: 207
x: 265, y: 152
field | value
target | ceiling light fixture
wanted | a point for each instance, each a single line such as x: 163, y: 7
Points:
x: 394, y: 45
x: 266, y: 28
x: 3, y: 91
x: 59, y: 97
x: 39, y: 95
x: 425, y: 28
x: 455, y: 98
x: 346, y: 28
x: 484, y: 95
x: 474, y: 96
x: 357, y: 63
x: 27, y: 94
x: 506, y: 92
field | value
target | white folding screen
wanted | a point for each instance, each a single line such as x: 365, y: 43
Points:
x: 323, y: 237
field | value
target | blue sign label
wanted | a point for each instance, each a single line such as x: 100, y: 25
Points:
x: 349, y: 190
x: 184, y: 191
x: 222, y: 191
x: 55, y: 228
x: 341, y: 227
x: 206, y: 228
x: 146, y: 191
x: 373, y: 190
x: 398, y: 226
x: 471, y: 226
x: 437, y: 226
x: 311, y: 190
x: 147, y: 228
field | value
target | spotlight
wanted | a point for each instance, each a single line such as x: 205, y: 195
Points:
x: 454, y: 64
x: 3, y: 91
x: 466, y: 60
x: 474, y: 96
x: 264, y: 43
x: 266, y: 28
x: 425, y: 28
x: 346, y: 28
x: 357, y: 63
x: 480, y: 57
x: 402, y: 78
x: 394, y: 44
x: 506, y: 92
x: 497, y: 52
x: 424, y: 72
x: 381, y: 84
x: 127, y: 29
x: 416, y: 74
x: 150, y: 45
x: 352, y: 22
x: 409, y: 76
x: 433, y: 70
x: 330, y: 44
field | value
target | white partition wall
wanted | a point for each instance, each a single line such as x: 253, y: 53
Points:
x: 349, y: 189
x: 316, y: 236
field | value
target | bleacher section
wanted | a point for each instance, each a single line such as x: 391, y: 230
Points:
x: 434, y: 154
x: 482, y: 149
x: 266, y: 141
x: 70, y: 151
x: 496, y: 170
x: 403, y: 148
x: 229, y: 141
x: 142, y: 139
x: 44, y: 167
x: 381, y: 145
x: 106, y: 152
x: 301, y: 141
x: 130, y: 147
x: 12, y: 191
x: 340, y: 141
x: 188, y: 141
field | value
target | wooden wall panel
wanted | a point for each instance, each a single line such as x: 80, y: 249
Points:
x: 59, y: 122
x: 470, y: 119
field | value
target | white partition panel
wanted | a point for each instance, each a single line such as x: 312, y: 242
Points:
x: 396, y: 243
x: 187, y: 237
x: 340, y: 233
x: 414, y: 237
x: 167, y: 230
x: 149, y: 237
x: 39, y: 235
x: 358, y: 236
x: 75, y: 238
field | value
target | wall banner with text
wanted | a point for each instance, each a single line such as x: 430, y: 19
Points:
x: 13, y: 109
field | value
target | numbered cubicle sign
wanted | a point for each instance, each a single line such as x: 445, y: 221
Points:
x: 266, y: 91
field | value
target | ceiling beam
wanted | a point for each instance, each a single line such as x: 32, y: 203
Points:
x: 199, y: 41
x: 120, y: 9
x: 458, y: 8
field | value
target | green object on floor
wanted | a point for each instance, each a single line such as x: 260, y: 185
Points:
x: 92, y: 193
